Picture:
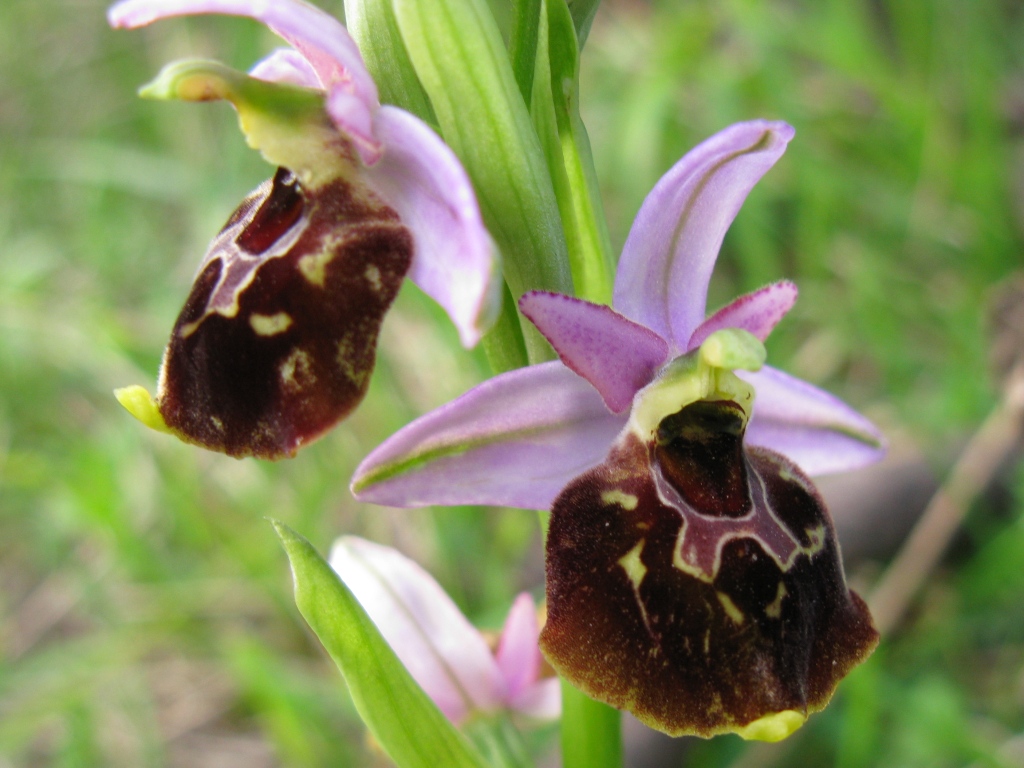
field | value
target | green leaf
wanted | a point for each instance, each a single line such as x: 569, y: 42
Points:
x: 583, y: 12
x: 555, y: 110
x: 457, y: 52
x: 523, y: 43
x: 500, y: 741
x: 401, y: 717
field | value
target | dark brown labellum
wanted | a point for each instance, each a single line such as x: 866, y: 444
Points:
x: 697, y: 582
x: 277, y: 339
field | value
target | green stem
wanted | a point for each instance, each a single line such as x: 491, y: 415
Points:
x: 458, y: 54
x: 523, y: 43
x: 591, y: 732
x: 504, y: 344
x: 554, y: 106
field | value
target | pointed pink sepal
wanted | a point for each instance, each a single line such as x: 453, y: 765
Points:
x: 518, y: 654
x: 666, y: 264
x: 617, y: 356
x: 758, y: 313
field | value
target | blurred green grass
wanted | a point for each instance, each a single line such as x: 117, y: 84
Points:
x: 145, y: 608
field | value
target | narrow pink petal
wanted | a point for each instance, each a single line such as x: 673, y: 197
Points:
x: 816, y: 430
x: 320, y: 37
x: 541, y: 701
x: 666, y: 264
x: 516, y: 440
x: 286, y: 65
x: 758, y: 312
x: 617, y: 356
x: 455, y: 261
x: 518, y: 654
x: 354, y: 118
x: 445, y: 654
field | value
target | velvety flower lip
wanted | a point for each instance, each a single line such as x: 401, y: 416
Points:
x: 446, y: 655
x: 277, y: 339
x: 401, y: 158
x: 502, y: 444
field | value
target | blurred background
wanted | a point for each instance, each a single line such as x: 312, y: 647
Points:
x: 146, y: 616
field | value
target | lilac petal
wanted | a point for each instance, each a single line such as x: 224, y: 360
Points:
x: 515, y: 440
x: 617, y: 356
x: 518, y: 653
x: 542, y: 700
x: 445, y: 654
x: 354, y: 118
x: 455, y: 261
x: 818, y: 431
x: 320, y: 37
x: 666, y: 264
x: 758, y: 312
x: 286, y: 65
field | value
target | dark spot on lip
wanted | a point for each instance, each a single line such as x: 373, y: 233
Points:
x: 276, y: 215
x: 699, y: 450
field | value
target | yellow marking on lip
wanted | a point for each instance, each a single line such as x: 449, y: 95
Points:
x: 313, y: 267
x: 372, y: 275
x: 270, y: 325
x: 685, y: 564
x: 635, y: 572
x: 731, y: 610
x: 625, y: 500
x: 633, y: 565
x: 817, y: 537
x: 296, y: 370
x: 347, y: 361
x: 189, y: 328
x: 774, y: 609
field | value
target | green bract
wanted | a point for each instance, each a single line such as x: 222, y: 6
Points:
x: 401, y: 717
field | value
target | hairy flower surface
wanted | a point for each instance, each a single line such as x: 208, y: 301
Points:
x: 693, y: 573
x: 277, y: 339
x: 446, y: 655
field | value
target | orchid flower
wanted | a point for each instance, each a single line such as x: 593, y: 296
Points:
x: 693, y: 571
x: 278, y: 337
x: 444, y: 653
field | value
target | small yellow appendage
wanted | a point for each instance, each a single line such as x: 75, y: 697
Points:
x: 774, y: 727
x: 140, y: 404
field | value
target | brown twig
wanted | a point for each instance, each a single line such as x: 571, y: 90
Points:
x: 971, y: 474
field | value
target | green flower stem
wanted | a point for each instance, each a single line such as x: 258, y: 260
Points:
x: 555, y: 112
x: 499, y: 742
x: 461, y: 61
x: 504, y: 344
x: 523, y: 43
x: 591, y: 732
x: 373, y: 26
